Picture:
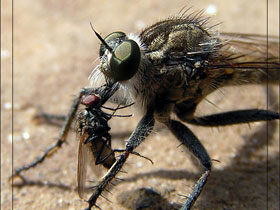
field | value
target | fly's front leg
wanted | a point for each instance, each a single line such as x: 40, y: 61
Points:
x: 188, y: 139
x: 140, y: 133
x: 234, y: 117
x: 61, y: 139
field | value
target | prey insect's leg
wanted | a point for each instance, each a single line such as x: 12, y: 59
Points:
x: 188, y: 139
x: 234, y: 117
x: 52, y: 119
x: 140, y: 133
x: 61, y: 139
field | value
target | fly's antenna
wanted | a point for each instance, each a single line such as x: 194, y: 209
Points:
x: 102, y: 40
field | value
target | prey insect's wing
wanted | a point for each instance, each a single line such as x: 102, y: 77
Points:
x: 85, y: 160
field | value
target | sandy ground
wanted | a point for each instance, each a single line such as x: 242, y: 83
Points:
x: 54, y: 52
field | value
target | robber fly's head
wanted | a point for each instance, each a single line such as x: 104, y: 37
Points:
x: 119, y: 55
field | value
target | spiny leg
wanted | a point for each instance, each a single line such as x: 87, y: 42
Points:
x: 188, y: 139
x: 61, y: 139
x: 142, y: 130
x: 234, y: 117
x: 221, y: 119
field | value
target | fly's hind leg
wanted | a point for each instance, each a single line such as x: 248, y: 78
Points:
x: 185, y: 111
x: 188, y: 139
x: 61, y: 139
x: 235, y: 117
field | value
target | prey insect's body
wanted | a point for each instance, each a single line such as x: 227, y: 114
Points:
x: 170, y: 67
x: 93, y: 132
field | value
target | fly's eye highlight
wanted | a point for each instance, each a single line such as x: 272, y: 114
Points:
x: 125, y: 60
x: 111, y: 39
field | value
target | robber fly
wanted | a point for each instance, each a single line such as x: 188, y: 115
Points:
x: 170, y: 67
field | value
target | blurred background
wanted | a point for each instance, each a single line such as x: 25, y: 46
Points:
x: 54, y: 53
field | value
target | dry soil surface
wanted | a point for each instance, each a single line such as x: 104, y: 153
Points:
x: 55, y: 51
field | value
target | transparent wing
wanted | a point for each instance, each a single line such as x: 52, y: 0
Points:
x: 246, y: 59
x: 86, y: 160
x: 251, y: 46
x: 83, y: 159
x: 88, y: 156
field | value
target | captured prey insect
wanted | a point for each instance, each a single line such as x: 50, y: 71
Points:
x: 92, y: 131
x: 170, y: 67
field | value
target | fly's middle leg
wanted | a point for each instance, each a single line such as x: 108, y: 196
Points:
x: 188, y: 139
x: 221, y: 119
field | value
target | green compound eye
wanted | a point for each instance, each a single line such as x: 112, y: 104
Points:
x: 125, y: 60
x: 112, y: 37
